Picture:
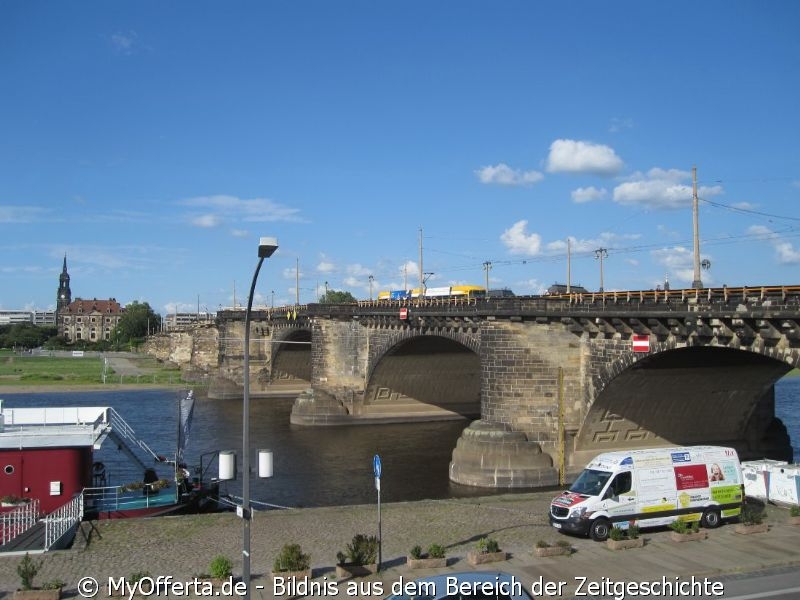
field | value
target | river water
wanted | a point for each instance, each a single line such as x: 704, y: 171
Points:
x: 313, y: 466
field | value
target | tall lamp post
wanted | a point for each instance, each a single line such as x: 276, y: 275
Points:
x: 266, y: 247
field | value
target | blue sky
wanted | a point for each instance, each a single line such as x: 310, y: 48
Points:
x: 155, y: 142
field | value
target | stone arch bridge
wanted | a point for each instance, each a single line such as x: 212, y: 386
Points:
x: 551, y: 381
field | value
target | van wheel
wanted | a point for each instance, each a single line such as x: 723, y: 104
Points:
x: 711, y: 518
x: 599, y: 530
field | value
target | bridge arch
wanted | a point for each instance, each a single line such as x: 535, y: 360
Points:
x: 689, y: 395
x: 291, y: 354
x: 417, y: 372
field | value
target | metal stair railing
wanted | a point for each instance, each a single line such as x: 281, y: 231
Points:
x: 16, y: 522
x: 59, y: 522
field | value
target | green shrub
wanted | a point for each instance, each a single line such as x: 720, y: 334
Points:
x: 679, y: 527
x: 695, y: 526
x: 221, y: 567
x: 633, y: 531
x: 562, y: 543
x: 617, y: 534
x: 416, y: 552
x: 27, y: 570
x: 363, y: 550
x: 291, y: 558
x: 56, y: 584
x: 488, y: 546
x: 753, y: 515
x: 436, y: 551
x: 542, y: 544
x: 138, y: 576
x: 794, y: 511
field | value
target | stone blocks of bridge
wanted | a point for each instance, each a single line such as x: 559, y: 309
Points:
x: 491, y: 455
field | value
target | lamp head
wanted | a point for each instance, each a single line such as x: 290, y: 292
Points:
x: 266, y: 246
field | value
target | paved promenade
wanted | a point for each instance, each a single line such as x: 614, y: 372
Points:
x: 184, y: 546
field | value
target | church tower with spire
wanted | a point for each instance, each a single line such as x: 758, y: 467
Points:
x: 64, y: 293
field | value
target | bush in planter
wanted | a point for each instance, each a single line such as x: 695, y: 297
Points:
x: 363, y: 550
x: 753, y: 515
x: 436, y: 551
x: 633, y: 532
x: 794, y: 511
x: 291, y: 559
x: 488, y: 546
x: 542, y: 544
x: 56, y: 584
x: 27, y: 570
x: 617, y: 534
x: 221, y: 567
x: 416, y: 552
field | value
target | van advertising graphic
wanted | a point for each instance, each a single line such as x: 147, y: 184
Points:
x: 689, y: 477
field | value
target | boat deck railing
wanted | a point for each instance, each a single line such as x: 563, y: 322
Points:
x: 114, y: 498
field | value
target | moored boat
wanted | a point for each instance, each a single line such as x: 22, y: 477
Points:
x: 47, y: 461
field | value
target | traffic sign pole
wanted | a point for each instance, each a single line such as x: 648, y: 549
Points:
x: 376, y: 465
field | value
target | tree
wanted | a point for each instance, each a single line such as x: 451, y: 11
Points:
x: 136, y: 323
x: 24, y: 335
x: 335, y: 297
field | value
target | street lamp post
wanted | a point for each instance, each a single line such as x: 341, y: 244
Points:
x: 600, y: 254
x: 266, y: 246
x: 371, y: 279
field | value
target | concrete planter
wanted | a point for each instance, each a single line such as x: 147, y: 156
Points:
x: 479, y: 558
x: 54, y: 594
x: 625, y: 544
x: 688, y: 537
x: 551, y: 551
x: 426, y: 563
x: 748, y: 529
x: 348, y: 570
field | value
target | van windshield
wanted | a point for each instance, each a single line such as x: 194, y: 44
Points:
x: 590, y: 482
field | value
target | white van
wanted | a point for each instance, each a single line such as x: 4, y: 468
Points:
x: 650, y: 488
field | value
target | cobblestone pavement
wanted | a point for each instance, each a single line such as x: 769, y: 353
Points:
x: 184, y: 546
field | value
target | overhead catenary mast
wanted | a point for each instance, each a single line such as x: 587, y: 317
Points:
x: 421, y: 276
x: 697, y: 283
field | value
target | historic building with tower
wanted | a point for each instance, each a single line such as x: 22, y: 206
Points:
x: 87, y: 320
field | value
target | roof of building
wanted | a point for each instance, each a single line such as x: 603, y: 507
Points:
x: 110, y: 306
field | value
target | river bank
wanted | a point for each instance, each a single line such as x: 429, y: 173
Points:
x: 184, y: 546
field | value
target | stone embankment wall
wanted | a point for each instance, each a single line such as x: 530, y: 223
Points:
x: 195, y: 350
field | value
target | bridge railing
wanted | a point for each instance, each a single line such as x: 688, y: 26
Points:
x: 678, y: 300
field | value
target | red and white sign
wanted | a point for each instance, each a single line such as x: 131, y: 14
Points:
x: 641, y: 343
x: 403, y: 314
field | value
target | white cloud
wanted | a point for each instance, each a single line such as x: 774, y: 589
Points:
x: 677, y: 261
x: 618, y: 124
x: 19, y: 214
x: 785, y: 251
x: 124, y: 43
x: 240, y: 233
x: 502, y: 174
x: 518, y: 241
x: 252, y: 210
x: 604, y: 240
x: 325, y: 265
x: 357, y: 270
x: 661, y: 189
x: 573, y: 156
x: 206, y: 221
x: 529, y: 286
x: 588, y: 194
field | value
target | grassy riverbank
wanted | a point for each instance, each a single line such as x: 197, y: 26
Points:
x: 83, y: 371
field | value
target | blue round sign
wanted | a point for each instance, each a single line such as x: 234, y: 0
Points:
x: 376, y: 465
